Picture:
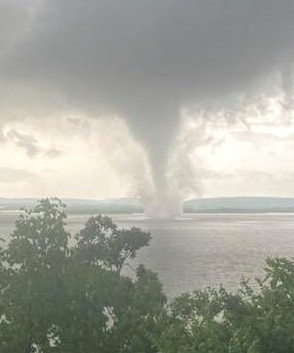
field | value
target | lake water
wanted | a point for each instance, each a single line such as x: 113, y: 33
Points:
x: 202, y: 250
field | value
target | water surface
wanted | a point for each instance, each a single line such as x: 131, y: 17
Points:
x: 202, y: 249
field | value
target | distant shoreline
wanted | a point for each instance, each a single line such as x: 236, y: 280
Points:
x: 226, y: 205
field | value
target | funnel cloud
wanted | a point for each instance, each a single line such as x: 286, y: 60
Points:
x: 142, y: 60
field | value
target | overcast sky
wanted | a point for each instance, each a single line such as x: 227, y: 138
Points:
x: 123, y: 98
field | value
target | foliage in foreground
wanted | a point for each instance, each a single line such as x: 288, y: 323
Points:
x: 60, y: 294
x: 249, y: 321
x: 66, y: 299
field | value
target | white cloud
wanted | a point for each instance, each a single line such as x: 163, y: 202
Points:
x: 72, y: 157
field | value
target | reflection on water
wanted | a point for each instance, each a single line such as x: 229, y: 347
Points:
x: 202, y: 250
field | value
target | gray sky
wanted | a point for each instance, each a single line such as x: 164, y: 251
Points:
x: 104, y: 98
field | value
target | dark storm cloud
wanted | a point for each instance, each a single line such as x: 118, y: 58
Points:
x: 147, y: 59
x: 126, y: 51
x: 14, y: 18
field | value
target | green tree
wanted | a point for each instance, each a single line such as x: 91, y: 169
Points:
x: 65, y: 299
x: 32, y: 267
x: 102, y: 243
x: 259, y: 320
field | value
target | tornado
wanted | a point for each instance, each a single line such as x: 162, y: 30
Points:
x: 144, y: 61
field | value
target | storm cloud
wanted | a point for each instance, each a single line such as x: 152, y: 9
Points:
x: 146, y: 60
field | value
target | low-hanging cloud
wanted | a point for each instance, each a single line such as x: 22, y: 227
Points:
x: 30, y: 144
